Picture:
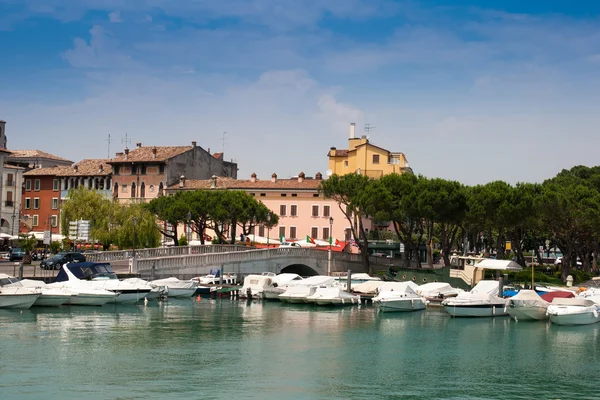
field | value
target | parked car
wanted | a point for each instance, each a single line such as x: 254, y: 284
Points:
x: 16, y: 254
x: 289, y: 244
x: 57, y: 261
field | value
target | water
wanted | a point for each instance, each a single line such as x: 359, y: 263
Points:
x: 222, y: 349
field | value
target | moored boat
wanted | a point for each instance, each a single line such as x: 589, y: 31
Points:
x: 481, y: 301
x: 527, y: 305
x: 573, y: 311
x: 332, y: 295
x: 175, y: 287
x: 399, y: 296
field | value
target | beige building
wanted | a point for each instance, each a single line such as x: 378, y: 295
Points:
x: 30, y: 159
x: 365, y: 158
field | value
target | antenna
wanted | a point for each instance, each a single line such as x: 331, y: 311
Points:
x: 368, y: 128
x: 126, y: 141
x: 108, y: 140
x: 223, y: 141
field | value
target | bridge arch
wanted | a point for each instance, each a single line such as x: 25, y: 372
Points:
x: 300, y: 269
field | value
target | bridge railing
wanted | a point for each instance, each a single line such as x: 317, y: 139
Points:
x: 165, y: 252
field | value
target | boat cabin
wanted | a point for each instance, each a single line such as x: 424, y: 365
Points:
x: 87, y: 271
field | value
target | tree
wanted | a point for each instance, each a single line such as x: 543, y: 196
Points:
x: 27, y: 243
x: 88, y: 204
x: 172, y: 210
x: 349, y: 191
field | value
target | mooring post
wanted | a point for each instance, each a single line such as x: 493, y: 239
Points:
x: 349, y: 281
x: 221, y: 276
x: 21, y: 271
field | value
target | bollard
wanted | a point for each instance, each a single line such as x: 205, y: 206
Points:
x: 21, y: 271
x: 349, y: 282
x: 221, y: 276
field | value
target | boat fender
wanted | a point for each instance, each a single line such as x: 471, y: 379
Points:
x: 505, y: 310
x: 412, y: 304
x: 493, y: 310
x: 595, y: 314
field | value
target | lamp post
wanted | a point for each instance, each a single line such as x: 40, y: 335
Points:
x: 330, y: 242
x: 268, y: 228
x: 134, y: 220
x: 187, y: 228
x: 12, y: 226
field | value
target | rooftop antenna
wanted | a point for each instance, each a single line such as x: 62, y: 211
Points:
x: 368, y: 128
x: 223, y: 141
x: 126, y: 141
x: 108, y: 140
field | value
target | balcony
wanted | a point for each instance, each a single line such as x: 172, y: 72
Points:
x: 9, y: 203
x: 10, y: 183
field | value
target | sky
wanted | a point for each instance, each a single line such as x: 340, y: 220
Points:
x: 473, y: 91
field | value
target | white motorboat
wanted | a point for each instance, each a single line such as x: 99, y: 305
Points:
x: 18, y: 297
x: 102, y: 276
x: 399, y: 296
x: 280, y: 284
x: 176, y: 287
x: 255, y: 285
x: 437, y: 291
x: 573, y: 311
x: 155, y: 290
x: 527, y: 305
x: 481, y: 301
x: 298, y: 292
x: 50, y: 297
x: 214, y: 278
x: 355, y: 279
x: 332, y: 295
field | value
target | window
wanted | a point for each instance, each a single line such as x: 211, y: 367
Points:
x: 36, y: 219
x: 133, y: 190
x: 10, y: 181
x: 36, y: 185
x: 263, y: 194
x: 27, y: 203
x: 261, y: 230
x: 143, y: 170
x: 283, y: 194
x: 294, y: 210
x: 347, y: 234
x: 143, y: 190
x: 124, y: 188
x: 326, y: 233
x: 282, y: 231
x: 315, y: 211
x: 292, y: 232
x: 54, y: 220
x: 151, y: 188
x: 345, y: 163
x: 375, y: 158
x: 55, y: 203
x: 27, y: 184
x: 161, y: 169
x: 134, y: 170
x: 115, y: 170
x: 294, y: 194
x: 326, y: 211
x: 36, y: 203
x: 55, y: 185
x: 252, y: 229
x: 314, y: 232
x: 282, y: 210
x: 315, y: 194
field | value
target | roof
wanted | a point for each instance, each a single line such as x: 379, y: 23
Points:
x: 87, y: 167
x: 145, y: 154
x: 230, y: 183
x: 489, y: 263
x: 35, y: 154
x: 340, y: 153
x: 218, y: 156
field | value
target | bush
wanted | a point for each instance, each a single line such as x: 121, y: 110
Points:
x: 183, y: 240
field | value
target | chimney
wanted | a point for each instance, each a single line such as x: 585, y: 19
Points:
x: 213, y: 184
x: 318, y: 176
x: 118, y: 154
x: 126, y: 153
x: 75, y: 167
x: 194, y: 144
x: 253, y: 177
x: 100, y: 168
x: 138, y: 144
x: 208, y: 150
x: 182, y: 181
x: 154, y: 152
x: 301, y: 177
x: 352, y: 127
x: 274, y: 177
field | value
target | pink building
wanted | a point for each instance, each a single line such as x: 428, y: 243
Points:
x: 302, y: 210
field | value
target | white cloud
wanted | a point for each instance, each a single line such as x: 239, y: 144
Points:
x: 101, y: 51
x: 115, y: 17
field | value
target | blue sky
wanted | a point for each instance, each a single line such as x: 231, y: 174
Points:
x: 469, y: 90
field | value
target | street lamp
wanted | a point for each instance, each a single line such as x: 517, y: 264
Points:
x: 187, y: 228
x: 134, y: 220
x: 268, y: 228
x: 330, y: 242
x: 12, y: 227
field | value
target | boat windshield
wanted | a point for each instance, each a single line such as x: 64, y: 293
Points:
x: 88, y: 271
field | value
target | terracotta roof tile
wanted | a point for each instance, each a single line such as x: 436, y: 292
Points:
x: 144, y: 153
x: 229, y: 183
x: 218, y: 155
x: 341, y: 153
x: 35, y: 154
x: 88, y: 167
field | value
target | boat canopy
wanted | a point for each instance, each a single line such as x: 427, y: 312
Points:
x: 257, y: 282
x: 434, y: 289
x: 86, y: 271
x: 403, y: 287
x: 550, y: 296
x: 284, y: 279
x: 576, y: 301
x: 528, y: 298
x: 317, y: 280
x: 486, y: 287
x: 504, y: 265
x: 369, y: 287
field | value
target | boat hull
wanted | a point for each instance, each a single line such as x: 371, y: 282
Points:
x: 528, y: 313
x: 51, y: 300
x: 83, y: 299
x: 337, y: 301
x: 181, y: 292
x: 480, y: 310
x: 401, y: 305
x: 581, y: 318
x: 17, y: 300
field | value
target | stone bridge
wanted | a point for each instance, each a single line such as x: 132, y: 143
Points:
x: 187, y: 262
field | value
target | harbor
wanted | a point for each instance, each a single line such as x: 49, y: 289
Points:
x: 221, y: 349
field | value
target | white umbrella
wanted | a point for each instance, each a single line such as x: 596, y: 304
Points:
x: 5, y: 235
x: 262, y: 240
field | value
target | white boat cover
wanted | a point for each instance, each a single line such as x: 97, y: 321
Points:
x: 434, y: 289
x: 402, y: 287
x: 573, y: 301
x: 173, y: 282
x: 503, y: 265
x: 316, y: 280
x: 257, y: 282
x: 369, y: 287
x: 486, y: 287
x: 528, y: 298
x: 362, y: 277
x: 285, y: 279
x: 468, y: 298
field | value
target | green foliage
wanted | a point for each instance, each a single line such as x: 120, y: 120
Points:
x: 55, y: 247
x: 183, y: 241
x: 27, y: 242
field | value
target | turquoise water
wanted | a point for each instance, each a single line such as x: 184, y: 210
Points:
x: 223, y: 349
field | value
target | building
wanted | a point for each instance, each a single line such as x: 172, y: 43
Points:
x: 143, y: 173
x: 302, y: 210
x: 362, y: 157
x: 10, y: 208
x: 45, y: 189
x: 3, y: 134
x: 30, y: 159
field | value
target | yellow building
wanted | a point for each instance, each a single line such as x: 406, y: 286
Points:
x: 364, y: 158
